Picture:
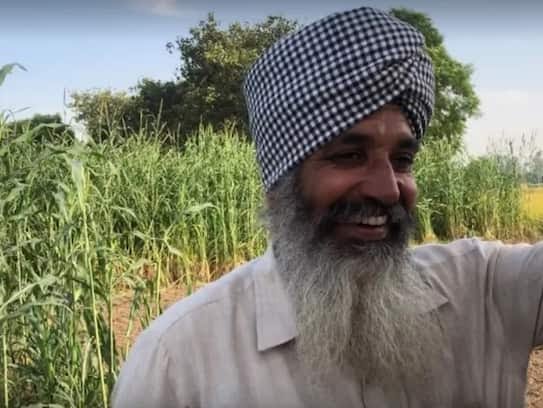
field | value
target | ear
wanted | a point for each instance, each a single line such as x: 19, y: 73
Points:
x: 284, y: 185
x: 268, y: 198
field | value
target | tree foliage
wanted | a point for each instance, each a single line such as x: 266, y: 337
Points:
x: 213, y: 64
x: 151, y: 104
x: 456, y: 100
x: 106, y: 114
x: 46, y: 129
x: 161, y: 102
x: 208, y: 88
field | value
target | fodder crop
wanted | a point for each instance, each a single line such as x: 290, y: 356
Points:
x: 80, y: 224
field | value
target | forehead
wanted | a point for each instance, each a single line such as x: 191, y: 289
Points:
x: 387, y: 126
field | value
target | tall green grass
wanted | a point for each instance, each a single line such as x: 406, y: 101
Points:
x: 461, y: 196
x: 80, y: 224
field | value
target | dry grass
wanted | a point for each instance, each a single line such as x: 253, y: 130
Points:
x: 533, y: 201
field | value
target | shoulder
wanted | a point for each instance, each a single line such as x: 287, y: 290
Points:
x: 459, y: 268
x: 458, y: 251
x: 477, y: 267
x: 173, y: 342
x: 476, y: 252
x: 207, y: 303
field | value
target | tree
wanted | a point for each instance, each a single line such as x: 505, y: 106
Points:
x: 214, y: 61
x: 161, y: 102
x: 152, y: 105
x: 213, y: 65
x: 105, y: 113
x: 52, y: 129
x: 456, y: 100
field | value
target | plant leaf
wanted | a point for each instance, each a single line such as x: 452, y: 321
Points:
x: 6, y: 70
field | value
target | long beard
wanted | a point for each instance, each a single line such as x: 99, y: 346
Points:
x: 360, y: 308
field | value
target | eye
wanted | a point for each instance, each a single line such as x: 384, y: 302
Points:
x: 347, y: 157
x: 404, y: 162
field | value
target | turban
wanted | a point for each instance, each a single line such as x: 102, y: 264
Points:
x: 316, y: 83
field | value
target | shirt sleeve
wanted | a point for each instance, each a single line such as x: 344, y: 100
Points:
x: 516, y: 277
x: 145, y: 378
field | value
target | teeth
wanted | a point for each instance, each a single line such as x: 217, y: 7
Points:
x: 374, y: 221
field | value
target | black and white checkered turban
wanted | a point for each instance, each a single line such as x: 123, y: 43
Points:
x: 318, y: 82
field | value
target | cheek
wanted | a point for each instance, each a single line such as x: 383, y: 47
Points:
x: 408, y: 192
x: 321, y: 188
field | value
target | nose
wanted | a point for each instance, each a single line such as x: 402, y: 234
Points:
x: 381, y: 184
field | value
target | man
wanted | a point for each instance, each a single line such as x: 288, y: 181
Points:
x: 339, y: 312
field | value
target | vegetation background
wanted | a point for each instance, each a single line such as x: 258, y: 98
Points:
x: 165, y: 191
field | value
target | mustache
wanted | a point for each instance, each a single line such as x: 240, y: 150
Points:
x: 401, y: 222
x: 344, y: 211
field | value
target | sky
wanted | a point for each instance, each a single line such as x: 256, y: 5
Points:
x: 76, y: 45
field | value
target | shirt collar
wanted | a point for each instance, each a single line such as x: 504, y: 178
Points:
x: 275, y: 317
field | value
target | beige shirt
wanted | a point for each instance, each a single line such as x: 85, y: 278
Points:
x: 230, y: 344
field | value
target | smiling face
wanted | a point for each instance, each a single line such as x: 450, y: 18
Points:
x: 359, y: 184
x: 339, y: 226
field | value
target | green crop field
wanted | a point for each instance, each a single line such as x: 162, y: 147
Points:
x: 81, y: 225
x: 533, y: 201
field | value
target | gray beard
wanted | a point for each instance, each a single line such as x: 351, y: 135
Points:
x: 361, y: 308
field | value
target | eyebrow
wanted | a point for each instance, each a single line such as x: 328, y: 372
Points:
x: 363, y: 140
x: 409, y: 143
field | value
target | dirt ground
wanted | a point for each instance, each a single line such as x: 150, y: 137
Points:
x: 534, y: 391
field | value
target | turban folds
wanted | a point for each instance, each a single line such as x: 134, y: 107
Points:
x: 318, y: 82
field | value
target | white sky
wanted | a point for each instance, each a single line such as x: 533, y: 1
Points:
x: 79, y: 45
